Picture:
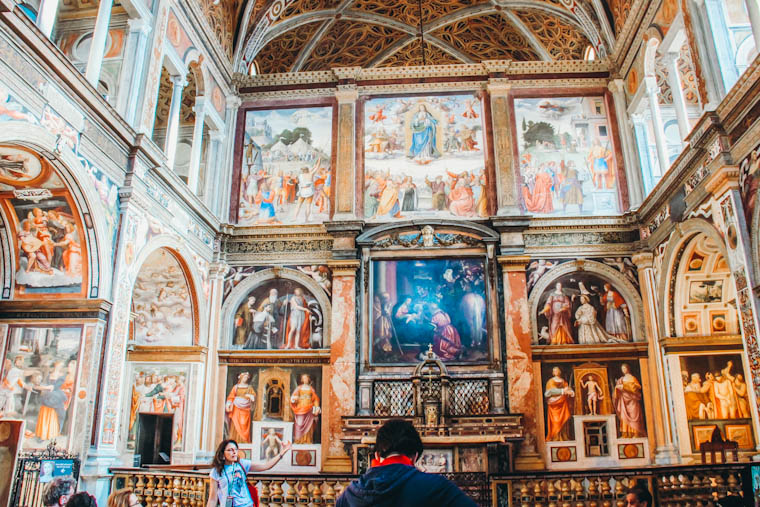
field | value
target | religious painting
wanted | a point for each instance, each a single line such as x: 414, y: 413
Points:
x: 278, y: 314
x: 422, y: 303
x: 161, y: 302
x: 715, y: 393
x: 39, y: 378
x: 559, y: 399
x: 424, y: 157
x: 583, y: 308
x: 158, y: 389
x: 627, y: 398
x: 749, y: 182
x: 471, y: 459
x: 50, y: 241
x: 272, y: 438
x: 566, y: 154
x: 741, y: 434
x: 705, y: 291
x: 593, y: 390
x: 320, y: 273
x: 286, y: 166
x: 436, y: 461
x: 288, y: 399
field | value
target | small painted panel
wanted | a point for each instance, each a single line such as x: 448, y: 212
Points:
x: 278, y: 314
x: 705, y: 291
x: 158, y: 389
x: 583, y: 308
x: 424, y: 157
x: 285, y: 174
x: 162, y: 303
x: 566, y: 153
x: 421, y: 303
x: 287, y: 399
x: 39, y: 379
x: 436, y: 461
x: 716, y: 396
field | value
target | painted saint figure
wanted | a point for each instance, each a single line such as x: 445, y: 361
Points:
x: 629, y: 405
x: 239, y: 408
x: 593, y: 393
x: 557, y: 394
x: 305, y: 404
x: 446, y: 341
x: 424, y: 127
x: 589, y: 330
x: 557, y: 310
x: 298, y: 326
x: 617, y: 318
x: 602, y: 166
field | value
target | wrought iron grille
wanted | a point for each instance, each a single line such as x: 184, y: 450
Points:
x: 393, y: 398
x: 27, y: 490
x: 473, y: 484
x: 469, y: 397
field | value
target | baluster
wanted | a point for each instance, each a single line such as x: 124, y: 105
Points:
x: 276, y: 497
x: 329, y: 496
x: 149, y: 490
x: 317, y: 493
x: 606, y: 492
x: 734, y: 484
x: 158, y: 492
x: 578, y: 493
x: 140, y: 488
x: 593, y: 491
x: 264, y: 493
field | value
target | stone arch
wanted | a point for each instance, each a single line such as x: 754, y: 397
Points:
x: 680, y: 237
x: 78, y: 182
x: 615, y: 277
x: 239, y: 293
x: 650, y: 56
x: 184, y: 257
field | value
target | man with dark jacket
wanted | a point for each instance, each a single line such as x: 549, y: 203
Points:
x: 393, y: 480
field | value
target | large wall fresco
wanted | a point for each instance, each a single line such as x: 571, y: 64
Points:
x: 47, y: 227
x: 715, y: 396
x: 424, y: 157
x: 157, y: 388
x: 428, y: 302
x: 583, y: 308
x: 39, y: 379
x: 286, y: 168
x: 162, y: 302
x: 567, y: 157
x: 279, y: 314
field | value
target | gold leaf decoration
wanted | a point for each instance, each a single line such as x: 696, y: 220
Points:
x: 411, y: 54
x: 281, y: 53
x: 562, y: 40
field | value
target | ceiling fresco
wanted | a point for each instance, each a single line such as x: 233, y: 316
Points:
x: 303, y: 35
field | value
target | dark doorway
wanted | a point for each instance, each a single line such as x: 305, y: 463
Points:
x: 154, y: 439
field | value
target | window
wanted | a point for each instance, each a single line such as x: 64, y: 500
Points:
x: 602, y: 130
x: 590, y: 53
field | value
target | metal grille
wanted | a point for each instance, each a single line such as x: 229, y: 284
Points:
x: 473, y: 484
x: 393, y: 398
x: 469, y: 397
x: 27, y: 490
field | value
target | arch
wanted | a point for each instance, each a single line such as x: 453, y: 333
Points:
x: 85, y: 194
x: 650, y: 56
x: 192, y: 276
x: 195, y: 68
x: 485, y: 234
x: 239, y: 294
x: 611, y: 275
x: 680, y: 237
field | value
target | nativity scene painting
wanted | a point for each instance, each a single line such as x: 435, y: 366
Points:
x: 422, y: 303
x: 716, y: 396
x: 49, y: 235
x: 286, y: 399
x: 567, y: 156
x: 39, y: 379
x: 279, y: 314
x: 424, y: 157
x: 585, y: 309
x: 286, y: 171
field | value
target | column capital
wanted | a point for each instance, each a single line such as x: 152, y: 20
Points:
x: 616, y: 85
x: 217, y: 136
x: 513, y: 262
x: 498, y: 86
x: 724, y: 179
x: 643, y: 260
x: 233, y: 101
x: 179, y: 81
x: 344, y: 267
x: 650, y: 84
x: 669, y: 57
x: 139, y: 25
x: 346, y: 94
x: 200, y: 105
x: 217, y: 270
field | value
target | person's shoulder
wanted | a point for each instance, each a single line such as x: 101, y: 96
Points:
x: 246, y: 464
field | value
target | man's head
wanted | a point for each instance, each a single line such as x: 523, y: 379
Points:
x: 58, y: 491
x: 398, y: 437
x: 638, y: 496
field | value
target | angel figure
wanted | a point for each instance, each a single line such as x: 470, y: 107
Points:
x: 593, y: 393
x: 537, y: 270
x: 625, y: 266
x: 320, y: 274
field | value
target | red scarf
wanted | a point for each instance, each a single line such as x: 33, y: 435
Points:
x: 391, y: 460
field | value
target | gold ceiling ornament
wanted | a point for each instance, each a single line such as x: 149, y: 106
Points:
x: 562, y: 40
x: 280, y: 54
x: 411, y: 55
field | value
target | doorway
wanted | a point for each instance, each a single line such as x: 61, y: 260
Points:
x: 154, y: 439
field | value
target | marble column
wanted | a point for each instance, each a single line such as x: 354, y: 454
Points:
x: 632, y: 167
x: 342, y: 369
x: 521, y: 375
x: 653, y: 92
x: 134, y: 57
x: 47, y: 15
x: 723, y: 184
x: 506, y: 187
x: 196, y: 151
x: 753, y: 9
x: 172, y: 128
x: 98, y: 45
x: 345, y: 163
x: 227, y: 170
x: 670, y: 59
x: 214, y: 182
x: 665, y: 452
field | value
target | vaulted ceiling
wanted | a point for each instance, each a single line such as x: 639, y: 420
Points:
x: 304, y: 35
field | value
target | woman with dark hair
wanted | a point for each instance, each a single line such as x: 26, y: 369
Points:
x: 228, y: 473
x: 82, y: 499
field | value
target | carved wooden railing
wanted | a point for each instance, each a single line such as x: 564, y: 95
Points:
x: 672, y: 486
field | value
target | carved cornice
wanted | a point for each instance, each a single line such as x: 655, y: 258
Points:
x: 643, y: 260
x: 510, y: 263
x: 725, y: 178
x: 344, y: 267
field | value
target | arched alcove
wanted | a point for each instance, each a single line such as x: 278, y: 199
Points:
x: 163, y: 302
